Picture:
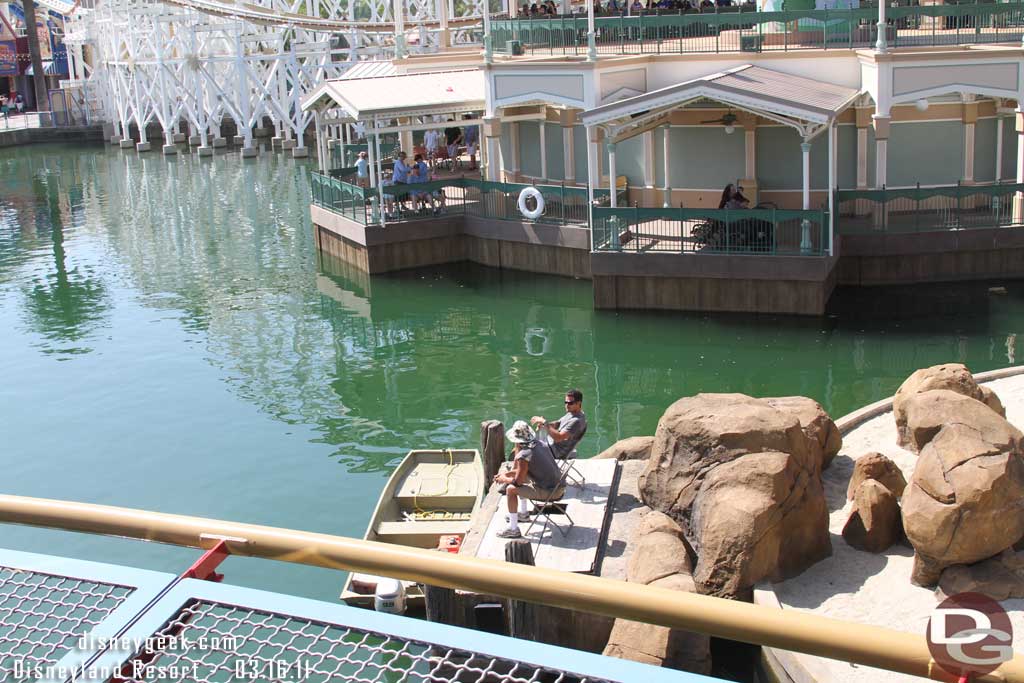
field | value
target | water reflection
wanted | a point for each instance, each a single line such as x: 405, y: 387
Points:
x: 418, y: 359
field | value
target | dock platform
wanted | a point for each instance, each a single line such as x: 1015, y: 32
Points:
x: 580, y: 548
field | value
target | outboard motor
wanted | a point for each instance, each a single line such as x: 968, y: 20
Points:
x: 389, y: 597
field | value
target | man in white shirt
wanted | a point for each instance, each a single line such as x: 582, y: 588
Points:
x: 430, y: 140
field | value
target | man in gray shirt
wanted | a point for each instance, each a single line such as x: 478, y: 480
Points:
x: 534, y: 476
x: 570, y: 428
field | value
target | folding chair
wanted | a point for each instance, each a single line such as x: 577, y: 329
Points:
x: 541, y: 508
x: 574, y: 475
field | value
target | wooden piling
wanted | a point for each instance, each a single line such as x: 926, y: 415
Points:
x: 524, y: 618
x: 492, y: 447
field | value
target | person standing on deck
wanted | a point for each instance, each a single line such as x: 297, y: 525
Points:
x: 472, y: 136
x: 534, y: 476
x: 362, y: 170
x: 453, y: 137
x: 570, y: 428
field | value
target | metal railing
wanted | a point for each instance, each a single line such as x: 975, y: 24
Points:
x: 340, y: 197
x: 786, y: 629
x: 563, y: 205
x: 926, y: 209
x: 772, y: 232
x: 734, y: 30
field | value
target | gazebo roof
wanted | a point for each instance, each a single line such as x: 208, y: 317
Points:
x: 804, y: 103
x: 387, y: 97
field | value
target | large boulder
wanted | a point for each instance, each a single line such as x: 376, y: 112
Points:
x: 928, y: 412
x: 953, y: 377
x: 633, y: 448
x: 989, y: 398
x: 874, y: 522
x: 880, y: 468
x: 660, y: 558
x: 965, y: 500
x: 743, y: 480
x: 1000, y: 577
x: 761, y: 516
x: 814, y: 421
x: 659, y: 551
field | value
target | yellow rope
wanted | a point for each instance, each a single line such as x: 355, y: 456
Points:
x: 425, y: 514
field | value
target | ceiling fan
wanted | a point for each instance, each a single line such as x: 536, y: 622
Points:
x: 728, y: 119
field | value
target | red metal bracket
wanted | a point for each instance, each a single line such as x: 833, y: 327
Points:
x: 204, y: 568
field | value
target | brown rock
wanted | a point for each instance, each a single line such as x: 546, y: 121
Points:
x: 1000, y: 577
x: 965, y: 500
x: 760, y: 516
x: 743, y: 481
x: 880, y: 468
x: 814, y: 421
x: 657, y: 521
x: 953, y: 377
x: 989, y: 398
x: 655, y: 556
x: 874, y: 523
x: 660, y: 646
x: 928, y: 412
x: 633, y: 448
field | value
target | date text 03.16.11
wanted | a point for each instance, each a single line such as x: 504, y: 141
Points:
x: 272, y: 669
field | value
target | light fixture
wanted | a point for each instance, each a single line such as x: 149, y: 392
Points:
x: 729, y: 129
x: 922, y: 104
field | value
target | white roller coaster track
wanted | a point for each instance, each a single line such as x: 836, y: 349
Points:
x: 196, y: 62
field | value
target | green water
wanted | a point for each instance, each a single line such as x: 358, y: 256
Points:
x: 170, y: 340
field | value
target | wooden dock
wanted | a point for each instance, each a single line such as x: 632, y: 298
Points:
x: 579, y: 549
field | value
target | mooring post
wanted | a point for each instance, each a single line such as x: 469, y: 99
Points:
x: 492, y: 447
x: 524, y: 618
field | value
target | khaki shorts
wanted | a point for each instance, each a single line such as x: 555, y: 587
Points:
x: 531, y: 491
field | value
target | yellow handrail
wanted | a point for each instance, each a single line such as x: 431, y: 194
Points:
x: 785, y: 629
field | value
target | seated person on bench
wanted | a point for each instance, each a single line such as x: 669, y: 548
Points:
x: 563, y: 435
x: 534, y: 476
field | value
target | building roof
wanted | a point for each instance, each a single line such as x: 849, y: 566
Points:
x: 790, y: 98
x: 370, y: 69
x: 385, y: 97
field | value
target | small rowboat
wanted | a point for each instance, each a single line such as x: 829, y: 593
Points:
x: 432, y: 494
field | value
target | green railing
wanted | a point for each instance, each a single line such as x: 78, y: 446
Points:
x: 343, y: 198
x: 562, y: 205
x: 926, y: 209
x: 709, y: 231
x: 752, y: 31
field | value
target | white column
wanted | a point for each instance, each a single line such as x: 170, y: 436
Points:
x: 372, y: 154
x: 399, y: 17
x: 666, y: 145
x: 611, y: 173
x: 591, y: 36
x: 968, y: 175
x: 568, y: 154
x: 831, y: 186
x: 491, y: 130
x: 805, y: 236
x: 320, y: 146
x: 513, y: 143
x: 880, y: 43
x: 1018, y: 198
x: 381, y: 210
x: 999, y: 148
x: 881, y: 124
x: 591, y: 167
x: 648, y: 141
x: 543, y: 149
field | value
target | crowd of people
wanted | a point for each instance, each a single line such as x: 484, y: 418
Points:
x: 618, y: 7
x: 15, y: 102
x: 438, y: 146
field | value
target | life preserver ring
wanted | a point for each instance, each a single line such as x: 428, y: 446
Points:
x: 537, y: 197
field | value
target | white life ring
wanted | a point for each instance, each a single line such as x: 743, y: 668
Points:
x: 537, y: 197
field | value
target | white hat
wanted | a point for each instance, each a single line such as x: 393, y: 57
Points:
x: 521, y: 433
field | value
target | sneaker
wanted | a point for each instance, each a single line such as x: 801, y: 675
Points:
x: 509, y: 533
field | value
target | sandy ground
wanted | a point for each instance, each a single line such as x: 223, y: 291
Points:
x: 876, y: 589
